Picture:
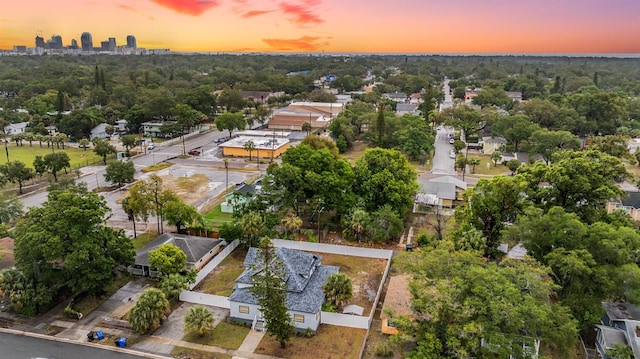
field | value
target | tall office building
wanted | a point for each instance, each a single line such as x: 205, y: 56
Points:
x: 55, y: 42
x: 131, y: 41
x: 87, y: 41
x: 104, y: 46
x: 40, y: 42
x: 74, y: 44
x: 112, y: 44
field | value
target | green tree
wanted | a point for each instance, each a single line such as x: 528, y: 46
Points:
x: 271, y: 292
x: 251, y: 224
x: 231, y: 100
x: 581, y: 182
x: 10, y: 208
x: 291, y: 222
x: 55, y: 162
x: 473, y: 162
x: 173, y: 284
x: 17, y: 172
x: 149, y: 197
x: 128, y: 141
x: 465, y: 118
x: 546, y: 143
x: 495, y: 157
x: 385, y: 177
x: 306, y: 127
x: 491, y: 204
x: 149, y: 312
x: 455, y: 307
x: 230, y: 121
x: 355, y: 224
x: 103, y: 149
x: 120, y: 172
x: 338, y: 289
x: 513, y: 165
x: 167, y: 259
x: 84, y: 144
x: 514, y: 129
x: 198, y: 319
x: 249, y: 146
x: 590, y: 262
x: 64, y: 247
x: 180, y: 214
x: 415, y: 137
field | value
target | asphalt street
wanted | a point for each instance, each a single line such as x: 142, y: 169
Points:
x: 17, y: 346
x: 442, y: 163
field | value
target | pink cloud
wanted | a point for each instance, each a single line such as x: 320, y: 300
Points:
x: 301, y: 13
x: 189, y: 7
x: 305, y: 43
x: 126, y: 7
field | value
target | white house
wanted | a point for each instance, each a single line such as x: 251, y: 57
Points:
x: 304, y: 277
x: 99, y: 131
x: 15, y: 128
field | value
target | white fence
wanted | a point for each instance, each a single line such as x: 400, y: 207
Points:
x: 214, y: 263
x: 334, y: 249
x: 345, y: 320
x: 206, y: 299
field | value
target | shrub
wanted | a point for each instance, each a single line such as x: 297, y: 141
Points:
x: 383, y: 350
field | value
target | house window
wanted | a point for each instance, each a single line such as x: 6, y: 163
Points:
x: 298, y: 318
x: 243, y: 309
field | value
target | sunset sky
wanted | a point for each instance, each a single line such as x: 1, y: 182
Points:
x: 405, y: 26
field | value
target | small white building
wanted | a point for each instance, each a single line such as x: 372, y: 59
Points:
x: 15, y: 128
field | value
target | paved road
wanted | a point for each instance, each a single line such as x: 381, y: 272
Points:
x: 94, y: 175
x: 448, y: 98
x: 16, y: 346
x: 442, y: 163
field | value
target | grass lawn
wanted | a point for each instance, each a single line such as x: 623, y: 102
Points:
x: 222, y: 279
x: 365, y: 274
x: 188, y: 353
x: 329, y: 342
x: 224, y: 335
x: 355, y: 152
x: 157, y: 167
x: 215, y: 218
x: 142, y: 239
x: 26, y: 154
x: 482, y: 168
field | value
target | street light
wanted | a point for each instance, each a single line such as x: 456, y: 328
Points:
x: 97, y: 184
x: 153, y: 155
x: 226, y: 167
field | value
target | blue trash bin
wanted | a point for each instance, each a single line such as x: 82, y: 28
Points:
x: 99, y: 335
x: 121, y: 342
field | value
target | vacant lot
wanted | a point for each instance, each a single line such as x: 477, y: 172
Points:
x: 329, y: 342
x: 365, y: 274
x: 224, y: 335
x: 26, y: 154
x: 222, y: 279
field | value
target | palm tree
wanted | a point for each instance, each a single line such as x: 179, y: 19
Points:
x: 306, y: 127
x: 473, y: 162
x: 291, y: 222
x: 29, y: 136
x: 199, y: 319
x: 251, y: 224
x: 357, y: 223
x: 249, y: 146
x: 338, y: 289
x: 149, y: 311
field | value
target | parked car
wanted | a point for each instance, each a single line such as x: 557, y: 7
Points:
x: 452, y: 154
x: 452, y: 140
x: 151, y: 146
x: 194, y: 153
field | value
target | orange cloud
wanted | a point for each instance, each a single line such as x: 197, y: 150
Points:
x: 126, y: 7
x: 254, y: 13
x: 301, y: 13
x: 305, y: 43
x: 189, y: 7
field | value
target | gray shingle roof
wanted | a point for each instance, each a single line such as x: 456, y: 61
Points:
x: 304, y: 278
x: 194, y: 247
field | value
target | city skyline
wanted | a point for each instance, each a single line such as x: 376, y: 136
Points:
x: 405, y: 26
